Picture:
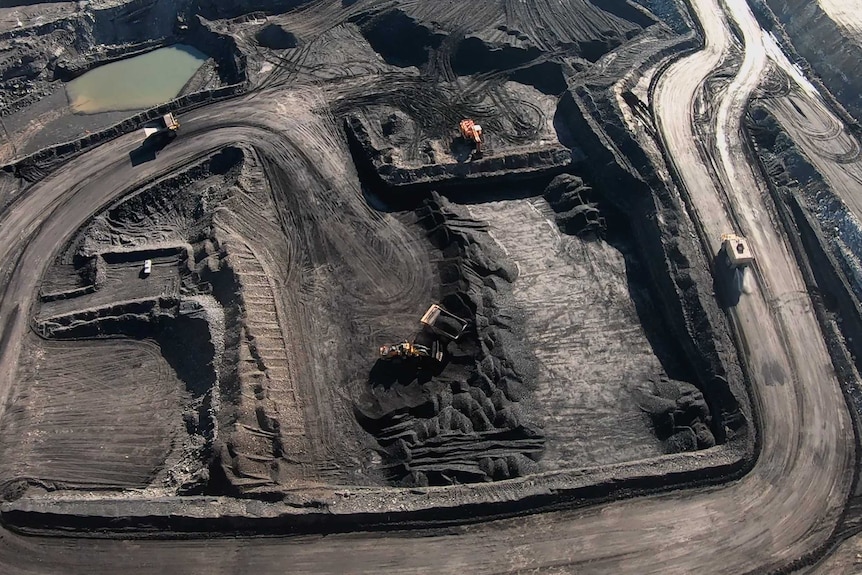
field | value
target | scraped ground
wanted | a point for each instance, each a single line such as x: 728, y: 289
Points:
x: 582, y: 325
x: 91, y: 414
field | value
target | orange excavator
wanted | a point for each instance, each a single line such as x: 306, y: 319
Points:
x: 472, y: 132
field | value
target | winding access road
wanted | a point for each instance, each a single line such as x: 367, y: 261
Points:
x: 785, y: 508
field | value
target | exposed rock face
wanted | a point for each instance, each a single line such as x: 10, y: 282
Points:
x: 831, y: 50
x: 680, y: 415
x: 576, y: 206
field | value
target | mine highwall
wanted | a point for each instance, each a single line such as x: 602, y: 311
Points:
x: 825, y: 52
x: 837, y: 306
x: 822, y: 278
x: 679, y: 274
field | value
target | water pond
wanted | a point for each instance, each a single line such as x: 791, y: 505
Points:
x: 135, y: 83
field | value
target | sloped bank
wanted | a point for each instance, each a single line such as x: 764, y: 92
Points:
x: 355, y: 509
x: 830, y: 50
x: 802, y: 192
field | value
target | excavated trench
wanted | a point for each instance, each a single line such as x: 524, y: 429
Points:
x: 95, y: 291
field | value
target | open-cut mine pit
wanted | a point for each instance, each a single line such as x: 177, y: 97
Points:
x: 384, y: 265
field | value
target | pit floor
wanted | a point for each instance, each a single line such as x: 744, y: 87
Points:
x: 583, y: 327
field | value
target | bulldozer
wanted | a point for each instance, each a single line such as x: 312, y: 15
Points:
x: 472, y: 132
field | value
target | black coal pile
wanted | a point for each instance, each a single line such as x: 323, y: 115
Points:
x: 461, y: 421
x: 680, y: 415
x: 576, y: 206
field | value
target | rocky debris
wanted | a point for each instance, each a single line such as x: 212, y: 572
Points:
x: 576, y: 206
x: 461, y: 423
x: 680, y: 415
x: 832, y: 51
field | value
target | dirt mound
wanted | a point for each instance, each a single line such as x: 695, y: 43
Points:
x: 576, y: 207
x: 680, y: 414
x: 276, y: 37
x: 218, y: 9
x: 581, y: 27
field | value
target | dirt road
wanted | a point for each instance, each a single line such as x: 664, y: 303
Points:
x: 782, y: 510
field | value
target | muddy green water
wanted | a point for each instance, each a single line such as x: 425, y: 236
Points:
x: 135, y: 83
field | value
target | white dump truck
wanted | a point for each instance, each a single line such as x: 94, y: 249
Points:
x: 737, y: 251
x: 164, y: 127
x: 443, y: 323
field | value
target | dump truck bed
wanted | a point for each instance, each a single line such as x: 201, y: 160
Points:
x: 443, y: 322
x: 164, y: 123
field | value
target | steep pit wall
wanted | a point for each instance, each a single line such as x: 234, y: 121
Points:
x: 679, y: 272
x: 831, y: 51
x: 797, y: 185
x: 405, y: 186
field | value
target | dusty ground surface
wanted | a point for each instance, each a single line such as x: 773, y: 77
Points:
x: 287, y: 269
x: 593, y: 356
x: 77, y: 427
x: 305, y: 304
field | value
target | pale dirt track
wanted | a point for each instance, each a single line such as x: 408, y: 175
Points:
x: 783, y: 509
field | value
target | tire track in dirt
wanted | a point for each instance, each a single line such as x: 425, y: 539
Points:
x: 92, y: 420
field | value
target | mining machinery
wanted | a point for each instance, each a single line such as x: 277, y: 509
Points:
x: 162, y: 129
x: 408, y: 350
x: 437, y: 324
x: 737, y: 251
x: 472, y: 132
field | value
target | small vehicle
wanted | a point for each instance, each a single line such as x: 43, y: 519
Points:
x: 148, y: 267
